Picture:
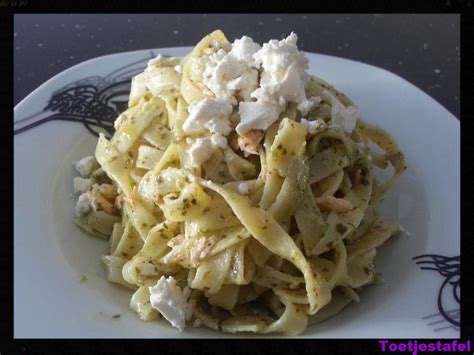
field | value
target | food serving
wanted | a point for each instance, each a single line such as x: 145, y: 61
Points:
x: 238, y: 191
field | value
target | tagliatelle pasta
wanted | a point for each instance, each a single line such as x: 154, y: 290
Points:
x: 238, y: 191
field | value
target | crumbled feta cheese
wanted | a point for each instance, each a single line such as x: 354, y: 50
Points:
x: 227, y: 73
x: 284, y: 85
x: 148, y: 269
x: 219, y: 69
x: 306, y: 105
x: 179, y: 68
x: 284, y: 74
x: 168, y: 299
x: 209, y: 114
x: 83, y: 205
x: 257, y: 115
x: 219, y: 141
x: 243, y: 188
x: 312, y: 126
x: 81, y: 185
x: 283, y: 80
x: 218, y: 126
x: 201, y: 150
x: 276, y: 55
x: 244, y: 49
x: 344, y: 118
x: 244, y: 84
x: 86, y: 165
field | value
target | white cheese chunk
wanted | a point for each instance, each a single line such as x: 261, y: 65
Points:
x: 243, y: 188
x: 344, y: 118
x: 209, y: 114
x: 201, y: 150
x: 284, y: 85
x: 307, y: 104
x: 284, y: 74
x: 81, y: 185
x: 244, y: 84
x: 219, y: 140
x: 168, y: 299
x: 225, y: 74
x: 228, y: 73
x: 83, y: 205
x: 148, y: 269
x: 219, y: 69
x: 277, y: 55
x: 244, y: 49
x: 312, y: 126
x: 86, y: 165
x: 218, y: 126
x: 257, y: 115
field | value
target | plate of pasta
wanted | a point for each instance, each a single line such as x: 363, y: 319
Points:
x: 235, y: 189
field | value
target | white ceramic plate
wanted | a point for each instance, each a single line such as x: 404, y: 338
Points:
x: 53, y: 127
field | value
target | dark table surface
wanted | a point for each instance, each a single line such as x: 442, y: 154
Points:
x: 423, y: 49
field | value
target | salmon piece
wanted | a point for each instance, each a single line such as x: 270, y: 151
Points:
x: 108, y: 191
x: 334, y: 204
x: 201, y: 248
x: 233, y: 142
x: 158, y: 200
x: 128, y: 200
x: 102, y: 197
x: 118, y: 202
x: 249, y: 142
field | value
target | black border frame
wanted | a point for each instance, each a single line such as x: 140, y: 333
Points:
x: 369, y: 346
